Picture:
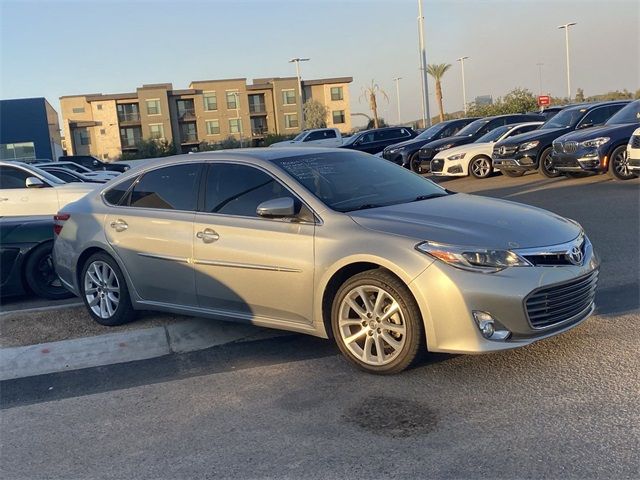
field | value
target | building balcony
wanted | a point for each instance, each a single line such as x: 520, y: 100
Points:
x: 188, y: 115
x: 257, y: 109
x: 188, y: 138
x: 258, y: 132
x: 128, y: 118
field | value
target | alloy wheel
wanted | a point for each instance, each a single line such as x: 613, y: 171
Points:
x: 481, y: 167
x: 101, y: 289
x: 371, y: 325
x: 621, y: 164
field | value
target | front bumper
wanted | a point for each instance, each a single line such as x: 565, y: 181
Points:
x: 634, y: 159
x: 447, y: 297
x: 518, y: 161
x: 581, y: 161
x: 441, y: 167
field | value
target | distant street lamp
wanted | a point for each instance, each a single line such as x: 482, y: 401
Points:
x: 297, y: 62
x: 566, y: 32
x: 426, y: 114
x: 464, y: 88
x: 397, y: 80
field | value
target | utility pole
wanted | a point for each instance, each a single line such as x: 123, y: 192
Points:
x: 397, y: 80
x: 426, y: 114
x: 464, y: 88
x: 297, y: 62
x: 566, y: 32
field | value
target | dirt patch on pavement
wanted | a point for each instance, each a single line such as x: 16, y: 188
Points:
x: 392, y: 417
x: 29, y: 328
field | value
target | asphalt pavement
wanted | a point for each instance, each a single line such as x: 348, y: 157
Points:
x: 291, y: 407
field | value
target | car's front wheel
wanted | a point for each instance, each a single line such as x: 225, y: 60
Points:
x: 619, y: 164
x: 480, y: 167
x: 105, y: 292
x: 546, y: 165
x: 376, y: 322
x: 414, y: 163
x: 41, y: 276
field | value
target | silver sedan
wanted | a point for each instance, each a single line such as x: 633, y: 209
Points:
x: 333, y: 243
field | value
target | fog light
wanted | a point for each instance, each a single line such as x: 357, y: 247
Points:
x: 489, y: 327
x: 455, y: 169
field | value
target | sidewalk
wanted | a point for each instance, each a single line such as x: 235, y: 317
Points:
x: 37, y: 343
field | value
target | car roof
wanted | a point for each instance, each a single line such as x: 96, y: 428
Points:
x: 381, y: 129
x: 524, y: 124
x: 591, y: 105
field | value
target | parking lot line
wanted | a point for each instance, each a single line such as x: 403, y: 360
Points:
x: 41, y: 309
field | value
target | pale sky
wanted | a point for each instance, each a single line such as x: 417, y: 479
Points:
x: 53, y: 48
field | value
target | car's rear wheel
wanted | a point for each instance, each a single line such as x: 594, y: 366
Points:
x: 414, y: 163
x: 480, y: 166
x: 376, y: 322
x: 619, y: 164
x: 105, y: 292
x: 40, y: 274
x: 546, y: 165
x: 513, y: 173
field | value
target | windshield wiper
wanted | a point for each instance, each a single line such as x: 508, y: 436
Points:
x: 427, y: 197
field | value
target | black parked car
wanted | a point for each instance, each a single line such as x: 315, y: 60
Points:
x: 530, y: 151
x: 469, y: 134
x: 374, y: 141
x: 25, y: 258
x: 94, y: 163
x: 598, y: 149
x: 68, y: 176
x: 406, y: 153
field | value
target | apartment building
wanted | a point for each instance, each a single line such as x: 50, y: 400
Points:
x: 208, y: 111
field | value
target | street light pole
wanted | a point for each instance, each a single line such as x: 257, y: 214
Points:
x: 464, y: 88
x: 540, y: 77
x: 297, y: 62
x: 397, y: 80
x: 426, y: 114
x: 566, y: 36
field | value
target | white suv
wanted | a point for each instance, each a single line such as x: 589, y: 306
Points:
x: 633, y: 151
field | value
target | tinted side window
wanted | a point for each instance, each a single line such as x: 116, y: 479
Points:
x: 330, y: 134
x: 114, y: 195
x: 169, y: 188
x: 450, y: 131
x: 597, y: 116
x: 495, y: 123
x: 62, y: 175
x: 313, y: 136
x: 239, y: 189
x: 613, y: 109
x: 13, y: 177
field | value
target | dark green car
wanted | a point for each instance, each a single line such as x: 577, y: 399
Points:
x: 25, y: 258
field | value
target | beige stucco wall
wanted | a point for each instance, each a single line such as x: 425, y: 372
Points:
x: 164, y: 117
x: 67, y: 104
x: 107, y: 144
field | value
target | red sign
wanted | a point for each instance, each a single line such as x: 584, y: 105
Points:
x: 544, y: 100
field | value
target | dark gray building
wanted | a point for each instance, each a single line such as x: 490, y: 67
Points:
x: 29, y: 129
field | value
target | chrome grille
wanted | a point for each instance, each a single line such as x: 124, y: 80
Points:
x: 570, y: 147
x: 635, y: 141
x: 504, y: 150
x: 563, y: 302
x: 437, y: 165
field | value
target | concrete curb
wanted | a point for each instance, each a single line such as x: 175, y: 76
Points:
x: 187, y: 336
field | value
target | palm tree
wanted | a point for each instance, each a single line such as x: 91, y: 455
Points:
x: 437, y: 71
x: 369, y: 94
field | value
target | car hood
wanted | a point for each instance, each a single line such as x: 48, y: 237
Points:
x: 470, y: 220
x: 615, y: 131
x: 457, y: 140
x: 548, y: 134
x: 411, y: 144
x: 470, y: 148
x: 71, y: 188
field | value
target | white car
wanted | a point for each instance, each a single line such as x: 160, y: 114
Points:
x: 102, y: 175
x: 28, y: 190
x: 318, y: 137
x: 475, y: 158
x: 633, y: 151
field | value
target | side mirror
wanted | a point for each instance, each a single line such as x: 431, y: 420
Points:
x: 34, y: 182
x: 585, y: 125
x: 95, y: 163
x: 277, y: 208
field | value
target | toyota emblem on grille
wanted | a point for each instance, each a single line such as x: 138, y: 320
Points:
x: 575, y: 255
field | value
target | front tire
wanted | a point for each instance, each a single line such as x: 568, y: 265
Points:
x: 414, y: 163
x: 546, y: 165
x: 376, y: 323
x: 104, y: 291
x: 40, y: 274
x: 619, y: 164
x: 480, y: 167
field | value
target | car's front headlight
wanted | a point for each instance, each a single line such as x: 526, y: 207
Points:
x: 528, y: 146
x: 457, y: 156
x: 473, y: 259
x: 392, y: 150
x: 595, y: 142
x: 444, y: 147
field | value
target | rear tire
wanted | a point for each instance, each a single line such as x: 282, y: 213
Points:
x: 104, y: 291
x: 619, y: 164
x: 480, y: 167
x: 376, y: 323
x: 545, y: 165
x: 513, y: 173
x: 40, y: 274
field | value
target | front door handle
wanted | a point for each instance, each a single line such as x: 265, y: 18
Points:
x: 208, y: 235
x: 119, y: 225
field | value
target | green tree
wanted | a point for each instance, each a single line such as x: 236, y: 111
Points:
x: 315, y: 114
x: 370, y: 95
x: 518, y: 100
x: 150, y: 149
x: 437, y: 71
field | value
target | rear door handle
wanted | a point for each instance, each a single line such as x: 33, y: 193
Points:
x: 119, y: 225
x: 208, y: 235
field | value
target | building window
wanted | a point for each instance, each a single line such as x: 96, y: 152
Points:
x: 156, y: 131
x: 210, y: 101
x: 289, y: 97
x: 338, y: 116
x: 291, y: 120
x: 99, y: 106
x: 78, y: 110
x: 85, y: 138
x: 213, y: 127
x: 232, y: 100
x: 336, y: 93
x: 103, y: 131
x: 17, y: 151
x: 153, y: 107
x: 234, y: 125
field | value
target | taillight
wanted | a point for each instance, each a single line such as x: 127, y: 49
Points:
x: 58, y: 221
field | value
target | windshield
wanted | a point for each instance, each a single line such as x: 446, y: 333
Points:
x: 629, y: 114
x: 351, y: 139
x: 472, y: 128
x: 493, y: 135
x: 47, y: 176
x: 568, y: 117
x: 432, y: 131
x: 350, y: 180
x: 300, y: 136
